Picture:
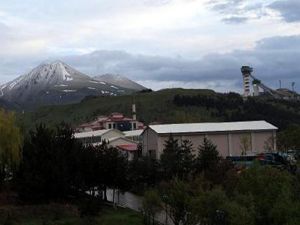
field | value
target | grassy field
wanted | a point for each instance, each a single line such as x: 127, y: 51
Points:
x: 58, y: 214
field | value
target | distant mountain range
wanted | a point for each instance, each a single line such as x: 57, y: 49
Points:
x: 120, y: 81
x: 59, y: 83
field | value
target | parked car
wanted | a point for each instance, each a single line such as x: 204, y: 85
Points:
x: 278, y: 160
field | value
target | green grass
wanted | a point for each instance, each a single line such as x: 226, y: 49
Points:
x: 120, y: 217
x: 58, y: 214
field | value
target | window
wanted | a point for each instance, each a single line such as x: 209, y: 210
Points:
x: 134, y: 126
x: 109, y: 126
x: 114, y: 125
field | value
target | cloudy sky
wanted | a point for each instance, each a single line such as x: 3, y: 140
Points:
x: 160, y: 43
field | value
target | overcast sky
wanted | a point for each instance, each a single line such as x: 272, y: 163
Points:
x: 160, y: 43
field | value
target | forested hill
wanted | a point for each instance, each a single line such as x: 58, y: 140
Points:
x: 172, y: 106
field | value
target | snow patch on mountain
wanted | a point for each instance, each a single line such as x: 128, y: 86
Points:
x: 15, y: 82
x: 65, y: 74
x: 114, y: 87
x: 1, y: 90
x: 61, y: 85
x: 68, y: 91
x: 118, y: 80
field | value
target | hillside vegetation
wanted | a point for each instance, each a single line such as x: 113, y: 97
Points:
x: 171, y: 106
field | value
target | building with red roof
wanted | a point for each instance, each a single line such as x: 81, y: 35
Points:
x: 113, y: 121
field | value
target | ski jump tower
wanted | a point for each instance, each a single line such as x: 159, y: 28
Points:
x: 250, y: 80
x: 246, y: 71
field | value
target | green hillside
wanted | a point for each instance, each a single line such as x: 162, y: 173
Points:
x: 171, y: 106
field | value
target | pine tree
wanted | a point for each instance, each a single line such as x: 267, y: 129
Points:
x: 208, y: 156
x: 186, y: 159
x: 170, y: 157
x: 177, y: 160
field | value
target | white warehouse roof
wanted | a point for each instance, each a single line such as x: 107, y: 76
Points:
x: 95, y: 133
x: 212, y: 127
x: 133, y: 133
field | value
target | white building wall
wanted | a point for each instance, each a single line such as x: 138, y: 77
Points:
x: 112, y: 134
x: 228, y: 143
x: 150, y: 142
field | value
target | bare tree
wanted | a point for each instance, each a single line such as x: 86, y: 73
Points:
x: 245, y: 144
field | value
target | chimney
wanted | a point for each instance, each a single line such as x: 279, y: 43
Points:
x: 133, y: 112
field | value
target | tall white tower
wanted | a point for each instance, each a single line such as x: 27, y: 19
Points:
x: 133, y: 111
x: 246, y: 71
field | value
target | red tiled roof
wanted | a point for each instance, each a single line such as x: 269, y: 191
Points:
x: 128, y: 147
x: 114, y: 117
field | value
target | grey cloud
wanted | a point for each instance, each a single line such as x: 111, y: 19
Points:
x: 237, y: 11
x: 226, y: 6
x: 235, y: 19
x: 273, y: 59
x: 288, y: 43
x: 289, y: 9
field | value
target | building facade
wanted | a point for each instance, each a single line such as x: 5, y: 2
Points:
x: 114, y: 138
x: 231, y: 138
x: 113, y: 121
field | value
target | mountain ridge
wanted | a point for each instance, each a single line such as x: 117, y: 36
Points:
x: 119, y: 80
x: 55, y: 83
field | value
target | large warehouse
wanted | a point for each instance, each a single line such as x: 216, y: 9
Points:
x: 231, y: 138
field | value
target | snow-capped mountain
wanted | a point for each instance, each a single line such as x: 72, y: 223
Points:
x: 120, y: 81
x: 55, y: 83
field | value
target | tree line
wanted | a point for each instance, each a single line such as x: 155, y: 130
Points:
x: 191, y: 184
x: 207, y: 189
x: 50, y: 164
x: 232, y: 107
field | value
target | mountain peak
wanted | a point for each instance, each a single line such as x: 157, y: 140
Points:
x: 52, y: 72
x: 55, y: 83
x: 58, y: 63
